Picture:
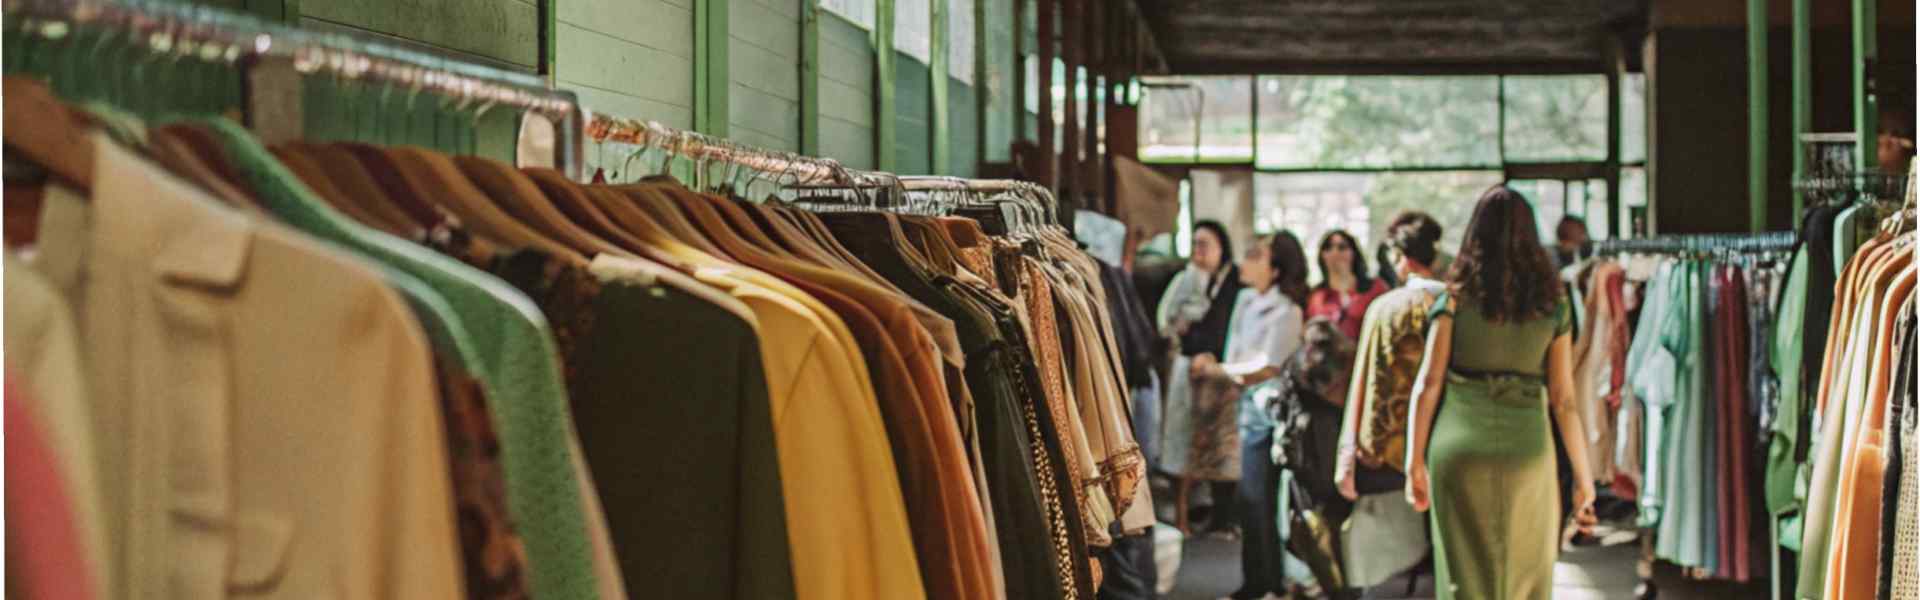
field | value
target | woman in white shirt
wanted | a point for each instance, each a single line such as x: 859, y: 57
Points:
x: 1268, y: 318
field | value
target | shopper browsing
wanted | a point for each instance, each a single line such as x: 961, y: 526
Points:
x: 1500, y: 351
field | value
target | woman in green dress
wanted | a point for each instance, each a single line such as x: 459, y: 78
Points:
x: 1499, y: 350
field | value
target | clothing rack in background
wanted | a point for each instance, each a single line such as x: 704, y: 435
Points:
x: 245, y: 43
x: 1773, y: 241
x: 804, y: 170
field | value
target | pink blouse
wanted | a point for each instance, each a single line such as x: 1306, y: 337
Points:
x: 1347, y: 311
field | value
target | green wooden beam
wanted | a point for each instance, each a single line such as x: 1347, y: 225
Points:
x: 982, y: 93
x: 1757, y: 114
x: 884, y: 113
x: 549, y: 40
x: 1802, y: 98
x: 711, y: 79
x: 1865, y: 106
x: 942, y: 146
x: 810, y: 77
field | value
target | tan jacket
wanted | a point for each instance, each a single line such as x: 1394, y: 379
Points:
x: 265, y: 410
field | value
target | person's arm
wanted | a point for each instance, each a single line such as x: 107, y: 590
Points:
x: 1426, y: 400
x: 1163, y: 315
x: 1359, y: 384
x: 1282, y: 342
x: 1572, y: 432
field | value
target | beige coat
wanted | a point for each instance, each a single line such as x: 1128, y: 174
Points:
x: 264, y: 406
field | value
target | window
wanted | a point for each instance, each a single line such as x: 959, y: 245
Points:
x: 960, y: 42
x: 913, y: 28
x: 859, y: 12
x: 1555, y: 117
x: 1219, y: 109
x: 1311, y: 204
x: 1344, y: 122
x: 1633, y: 118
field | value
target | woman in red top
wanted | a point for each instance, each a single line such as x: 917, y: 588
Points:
x: 1345, y: 290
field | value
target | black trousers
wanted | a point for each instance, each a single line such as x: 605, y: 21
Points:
x: 1262, y: 557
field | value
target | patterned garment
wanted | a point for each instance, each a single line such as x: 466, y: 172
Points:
x: 564, y: 292
x: 491, y: 550
x: 1387, y: 360
x: 1216, y: 430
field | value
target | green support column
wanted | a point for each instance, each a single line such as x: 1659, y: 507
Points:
x: 942, y: 144
x: 1802, y: 97
x: 810, y: 77
x: 711, y: 80
x: 982, y: 96
x: 1865, y: 105
x: 1757, y: 115
x: 884, y: 113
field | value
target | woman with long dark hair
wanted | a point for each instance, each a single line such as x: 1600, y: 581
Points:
x: 1346, y: 289
x: 1195, y: 312
x: 1267, y: 324
x: 1500, y: 350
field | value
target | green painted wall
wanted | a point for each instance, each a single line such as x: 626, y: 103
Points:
x: 913, y: 99
x: 635, y: 58
x: 962, y: 118
x: 764, y: 106
x: 846, y: 93
x: 996, y: 52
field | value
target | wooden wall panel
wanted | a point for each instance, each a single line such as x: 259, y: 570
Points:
x: 846, y: 93
x: 501, y: 30
x: 764, y: 103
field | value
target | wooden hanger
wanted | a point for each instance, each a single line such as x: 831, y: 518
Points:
x: 358, y: 187
x: 449, y: 188
x: 41, y: 128
x: 513, y: 192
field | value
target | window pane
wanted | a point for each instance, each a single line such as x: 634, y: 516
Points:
x: 960, y: 40
x: 1312, y: 204
x: 1220, y: 107
x: 860, y: 12
x: 1633, y: 118
x: 1556, y: 117
x: 913, y: 28
x: 1633, y: 199
x: 1550, y: 202
x: 1340, y: 122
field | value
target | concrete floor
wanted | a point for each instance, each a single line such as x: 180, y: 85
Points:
x: 1210, y: 569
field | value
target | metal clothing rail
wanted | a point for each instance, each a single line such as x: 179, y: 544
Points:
x: 805, y: 171
x: 216, y: 35
x: 1774, y: 241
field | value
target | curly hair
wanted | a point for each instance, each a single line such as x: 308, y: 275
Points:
x: 1324, y: 362
x: 1502, y: 268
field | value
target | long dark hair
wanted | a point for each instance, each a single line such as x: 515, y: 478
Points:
x: 1226, y: 243
x: 1502, y: 267
x: 1289, y: 261
x: 1362, y: 281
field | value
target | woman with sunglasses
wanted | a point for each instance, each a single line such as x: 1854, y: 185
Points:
x: 1345, y: 288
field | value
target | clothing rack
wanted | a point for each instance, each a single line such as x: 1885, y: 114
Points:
x: 213, y: 35
x: 805, y: 170
x: 1773, y: 241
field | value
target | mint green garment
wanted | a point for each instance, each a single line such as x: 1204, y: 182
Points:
x: 1788, y: 349
x: 1840, y: 422
x: 1650, y: 378
x: 1846, y: 236
x: 520, y: 370
x: 1683, y: 532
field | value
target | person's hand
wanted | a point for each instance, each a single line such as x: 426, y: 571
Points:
x: 1583, y: 515
x: 1417, y: 491
x: 1203, y: 364
x: 1348, y: 489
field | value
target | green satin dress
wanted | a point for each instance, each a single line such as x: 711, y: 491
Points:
x: 1495, y: 500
